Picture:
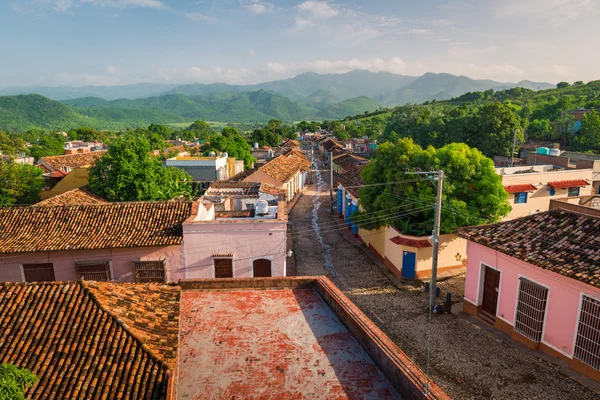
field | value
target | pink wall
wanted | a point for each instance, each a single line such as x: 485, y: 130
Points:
x: 246, y: 240
x: 122, y: 266
x: 562, y: 310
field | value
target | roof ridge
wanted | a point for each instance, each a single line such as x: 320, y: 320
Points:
x: 123, y: 325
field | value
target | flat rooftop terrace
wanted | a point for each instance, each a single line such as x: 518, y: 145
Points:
x: 271, y: 343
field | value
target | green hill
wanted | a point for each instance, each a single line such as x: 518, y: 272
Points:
x: 354, y: 106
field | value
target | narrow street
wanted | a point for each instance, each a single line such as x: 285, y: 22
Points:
x: 465, y: 361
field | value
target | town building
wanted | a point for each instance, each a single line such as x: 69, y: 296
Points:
x: 263, y: 154
x: 347, y: 161
x: 537, y: 279
x: 16, y: 159
x: 531, y: 188
x: 298, y: 337
x: 241, y: 196
x: 208, y: 169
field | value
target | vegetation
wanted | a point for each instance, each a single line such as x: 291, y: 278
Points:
x: 233, y: 143
x: 127, y: 172
x: 473, y: 192
x: 14, y: 381
x: 19, y: 183
x: 274, y: 132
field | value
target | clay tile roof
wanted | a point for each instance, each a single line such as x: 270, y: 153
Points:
x: 65, y: 335
x: 284, y: 168
x: 512, y: 189
x: 290, y: 143
x: 350, y: 179
x: 72, y: 197
x: 418, y: 243
x: 92, y: 226
x: 71, y: 160
x: 59, y: 173
x: 329, y: 144
x: 568, y: 184
x: 560, y: 241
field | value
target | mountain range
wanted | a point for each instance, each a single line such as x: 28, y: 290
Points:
x: 306, y: 96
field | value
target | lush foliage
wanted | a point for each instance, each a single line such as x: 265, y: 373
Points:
x: 473, y: 192
x: 47, y: 144
x: 273, y: 133
x: 127, y: 172
x: 11, y: 144
x: 19, y: 183
x: 233, y: 143
x: 14, y: 381
x: 589, y: 134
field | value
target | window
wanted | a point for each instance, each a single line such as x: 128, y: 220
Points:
x: 38, y: 272
x: 223, y: 267
x: 587, y: 343
x: 520, y: 197
x: 149, y: 271
x: 93, y: 271
x: 531, y: 309
x: 573, y: 191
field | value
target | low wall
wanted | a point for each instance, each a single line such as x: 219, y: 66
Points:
x: 537, y: 159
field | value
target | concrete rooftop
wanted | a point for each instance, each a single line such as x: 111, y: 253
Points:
x: 271, y: 343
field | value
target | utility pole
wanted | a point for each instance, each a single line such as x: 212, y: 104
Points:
x: 331, y: 182
x: 512, y: 155
x: 437, y: 217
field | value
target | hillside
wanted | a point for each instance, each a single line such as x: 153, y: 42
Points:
x: 354, y: 106
x: 134, y: 91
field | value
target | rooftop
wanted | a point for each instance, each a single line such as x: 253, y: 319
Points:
x: 73, y: 197
x: 92, y: 226
x: 283, y: 168
x: 350, y: 180
x: 71, y: 161
x: 560, y: 241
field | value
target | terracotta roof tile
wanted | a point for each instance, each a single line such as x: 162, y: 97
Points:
x: 418, y: 243
x: 71, y: 160
x: 92, y: 226
x: 350, y: 179
x: 66, y: 336
x: 71, y: 198
x: 512, y: 189
x: 561, y: 241
x: 568, y: 184
x: 283, y: 168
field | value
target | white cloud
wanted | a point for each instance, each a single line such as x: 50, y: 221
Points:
x: 300, y: 24
x: 111, y: 69
x: 66, y: 5
x: 416, y: 31
x: 210, y: 74
x: 258, y: 6
x: 196, y: 17
x: 318, y: 9
x: 557, y: 11
x: 276, y: 68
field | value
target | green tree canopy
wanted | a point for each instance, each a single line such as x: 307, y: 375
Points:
x: 14, y: 381
x: 20, y: 184
x: 11, y: 144
x: 161, y: 130
x: 231, y: 142
x: 562, y: 85
x: 589, y: 134
x: 127, y: 172
x: 48, y: 144
x: 473, y: 193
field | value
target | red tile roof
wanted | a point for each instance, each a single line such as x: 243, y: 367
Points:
x: 283, y: 168
x: 65, y: 335
x: 512, y: 189
x: 76, y: 160
x: 418, y: 243
x: 568, y: 184
x: 350, y: 180
x: 58, y: 174
x: 92, y: 226
x: 558, y: 240
x: 72, y: 197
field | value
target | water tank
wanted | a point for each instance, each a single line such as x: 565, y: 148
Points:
x: 554, y: 152
x: 225, y: 155
x: 212, y: 154
x: 262, y: 207
x: 542, y: 150
x: 256, y: 146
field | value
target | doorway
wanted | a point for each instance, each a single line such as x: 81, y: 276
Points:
x: 491, y: 285
x: 261, y: 268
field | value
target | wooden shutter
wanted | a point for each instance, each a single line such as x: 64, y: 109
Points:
x: 93, y: 271
x: 149, y: 271
x: 531, y: 309
x: 223, y: 267
x: 38, y: 272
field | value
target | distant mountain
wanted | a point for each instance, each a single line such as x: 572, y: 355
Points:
x: 134, y: 91
x: 354, y: 106
x: 432, y: 86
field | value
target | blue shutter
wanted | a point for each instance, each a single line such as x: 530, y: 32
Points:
x: 340, y: 200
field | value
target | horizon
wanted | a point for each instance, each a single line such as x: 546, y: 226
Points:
x: 121, y: 42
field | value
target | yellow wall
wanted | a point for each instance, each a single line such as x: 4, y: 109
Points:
x: 78, y: 177
x: 539, y: 200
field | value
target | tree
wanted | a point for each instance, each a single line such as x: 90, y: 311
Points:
x: 539, y: 129
x: 578, y: 83
x: 20, y: 183
x: 493, y: 128
x: 473, y: 193
x: 197, y: 130
x: 562, y: 85
x: 231, y: 142
x: 14, y: 381
x: 10, y: 144
x: 49, y: 144
x: 265, y: 137
x: 161, y: 130
x: 589, y: 134
x: 127, y: 172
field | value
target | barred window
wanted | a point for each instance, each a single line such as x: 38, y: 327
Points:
x: 531, y: 309
x: 223, y: 267
x: 93, y: 271
x: 587, y: 344
x: 149, y: 270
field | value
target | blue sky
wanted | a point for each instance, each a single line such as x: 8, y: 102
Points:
x: 106, y: 42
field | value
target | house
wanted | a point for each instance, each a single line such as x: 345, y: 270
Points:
x: 289, y: 144
x: 328, y: 144
x: 240, y: 196
x: 74, y: 197
x: 288, y: 172
x: 531, y: 188
x: 19, y: 159
x: 347, y: 161
x: 297, y: 337
x: 537, y: 279
x: 262, y: 154
x: 208, y: 169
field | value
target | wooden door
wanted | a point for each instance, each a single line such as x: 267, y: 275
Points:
x: 491, y: 283
x: 223, y: 268
x: 38, y: 272
x: 409, y: 261
x: 261, y: 268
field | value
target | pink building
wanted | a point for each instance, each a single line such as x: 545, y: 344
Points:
x: 537, y: 278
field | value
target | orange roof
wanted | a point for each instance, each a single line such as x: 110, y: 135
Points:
x: 76, y: 160
x: 418, y: 243
x: 568, y: 184
x: 512, y: 189
x: 72, y: 197
x: 284, y: 168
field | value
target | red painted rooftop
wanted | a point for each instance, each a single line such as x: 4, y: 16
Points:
x: 568, y: 184
x: 512, y: 189
x: 271, y: 343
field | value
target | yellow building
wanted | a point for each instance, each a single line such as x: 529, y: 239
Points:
x: 77, y: 178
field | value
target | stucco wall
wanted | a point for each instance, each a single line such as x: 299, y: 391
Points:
x: 563, y: 297
x: 77, y: 178
x: 121, y: 260
x: 247, y: 241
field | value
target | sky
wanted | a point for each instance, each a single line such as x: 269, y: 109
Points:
x: 114, y: 42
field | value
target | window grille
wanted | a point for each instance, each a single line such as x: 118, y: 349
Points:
x: 223, y: 267
x: 531, y: 309
x: 93, y: 271
x: 149, y: 271
x: 587, y: 343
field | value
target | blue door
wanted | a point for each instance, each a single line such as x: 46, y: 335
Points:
x: 408, y: 264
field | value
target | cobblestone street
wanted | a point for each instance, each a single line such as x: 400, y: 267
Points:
x: 466, y: 361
